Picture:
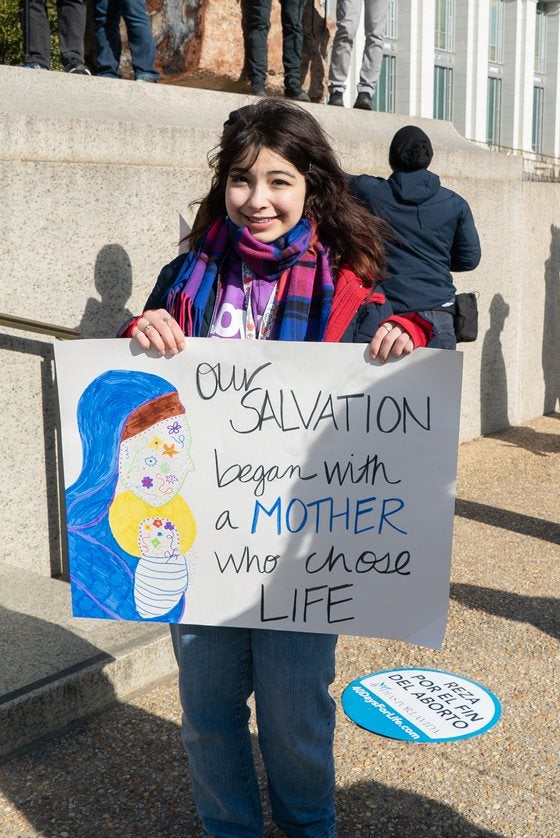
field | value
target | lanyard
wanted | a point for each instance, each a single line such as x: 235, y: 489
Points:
x: 251, y: 331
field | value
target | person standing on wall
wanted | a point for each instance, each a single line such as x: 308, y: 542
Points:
x: 256, y: 26
x: 71, y: 31
x: 434, y: 233
x: 348, y: 14
x: 140, y: 39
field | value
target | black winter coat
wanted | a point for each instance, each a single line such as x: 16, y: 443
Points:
x: 434, y: 233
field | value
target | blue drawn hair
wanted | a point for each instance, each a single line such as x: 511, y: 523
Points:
x: 102, y: 573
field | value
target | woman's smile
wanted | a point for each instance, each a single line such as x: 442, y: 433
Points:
x: 268, y: 198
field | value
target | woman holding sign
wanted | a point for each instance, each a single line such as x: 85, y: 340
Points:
x: 279, y: 250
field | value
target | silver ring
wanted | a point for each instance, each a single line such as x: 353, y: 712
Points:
x: 388, y: 326
x: 149, y: 326
x: 167, y: 319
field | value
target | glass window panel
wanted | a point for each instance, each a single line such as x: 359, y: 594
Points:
x: 444, y: 25
x: 540, y: 39
x: 494, y: 108
x: 495, y: 30
x: 384, y: 97
x: 391, y: 30
x: 443, y: 92
x: 538, y: 107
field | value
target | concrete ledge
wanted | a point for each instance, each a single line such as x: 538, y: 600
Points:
x: 52, y: 117
x: 56, y: 668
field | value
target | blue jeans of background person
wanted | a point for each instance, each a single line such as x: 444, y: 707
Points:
x: 257, y: 21
x: 444, y: 333
x: 289, y: 673
x: 108, y: 39
x: 71, y: 30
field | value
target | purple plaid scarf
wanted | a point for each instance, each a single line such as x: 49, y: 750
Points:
x: 298, y: 261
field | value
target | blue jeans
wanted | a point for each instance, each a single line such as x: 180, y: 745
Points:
x: 289, y: 672
x: 442, y: 322
x: 108, y: 39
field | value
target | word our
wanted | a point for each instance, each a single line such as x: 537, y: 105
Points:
x: 290, y: 411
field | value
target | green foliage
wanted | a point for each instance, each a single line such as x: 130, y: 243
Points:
x: 11, y: 37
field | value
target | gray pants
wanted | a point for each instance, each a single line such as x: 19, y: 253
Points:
x: 347, y: 21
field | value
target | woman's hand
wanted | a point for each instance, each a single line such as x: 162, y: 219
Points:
x: 390, y: 340
x: 157, y: 329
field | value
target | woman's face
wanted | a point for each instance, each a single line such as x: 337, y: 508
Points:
x: 268, y: 199
x: 154, y: 463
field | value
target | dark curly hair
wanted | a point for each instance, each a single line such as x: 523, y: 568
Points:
x: 353, y: 235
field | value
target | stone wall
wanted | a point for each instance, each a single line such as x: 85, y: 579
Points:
x: 96, y: 184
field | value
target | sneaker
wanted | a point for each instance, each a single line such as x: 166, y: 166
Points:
x: 77, y: 68
x: 336, y: 98
x: 258, y: 90
x: 298, y: 94
x: 146, y: 77
x: 363, y: 102
x: 35, y: 67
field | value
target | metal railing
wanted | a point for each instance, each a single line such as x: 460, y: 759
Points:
x: 539, y: 167
x: 26, y: 325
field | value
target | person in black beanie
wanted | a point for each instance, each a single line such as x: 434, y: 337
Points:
x: 434, y: 232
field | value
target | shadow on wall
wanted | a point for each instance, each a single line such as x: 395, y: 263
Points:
x: 113, y: 281
x: 493, y: 375
x: 48, y: 452
x: 551, y: 324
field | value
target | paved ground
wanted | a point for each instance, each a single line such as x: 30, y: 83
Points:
x: 123, y: 772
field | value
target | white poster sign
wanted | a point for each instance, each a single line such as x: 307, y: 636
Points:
x: 262, y: 484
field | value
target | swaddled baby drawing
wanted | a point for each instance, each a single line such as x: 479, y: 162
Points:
x: 162, y: 575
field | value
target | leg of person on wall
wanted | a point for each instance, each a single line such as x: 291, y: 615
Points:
x: 256, y: 40
x: 292, y: 45
x: 108, y: 38
x: 140, y: 40
x: 375, y: 22
x: 71, y: 31
x: 347, y: 21
x: 38, y: 55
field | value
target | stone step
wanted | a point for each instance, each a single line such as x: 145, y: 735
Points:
x: 55, y: 668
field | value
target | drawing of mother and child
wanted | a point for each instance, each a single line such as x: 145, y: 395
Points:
x: 129, y: 529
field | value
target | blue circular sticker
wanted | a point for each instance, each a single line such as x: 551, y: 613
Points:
x: 421, y: 705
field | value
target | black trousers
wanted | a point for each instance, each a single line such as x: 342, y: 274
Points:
x: 71, y: 30
x: 256, y: 26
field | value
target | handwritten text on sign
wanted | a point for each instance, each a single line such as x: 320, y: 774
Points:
x: 319, y: 487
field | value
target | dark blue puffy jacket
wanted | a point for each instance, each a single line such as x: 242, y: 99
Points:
x: 434, y: 231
